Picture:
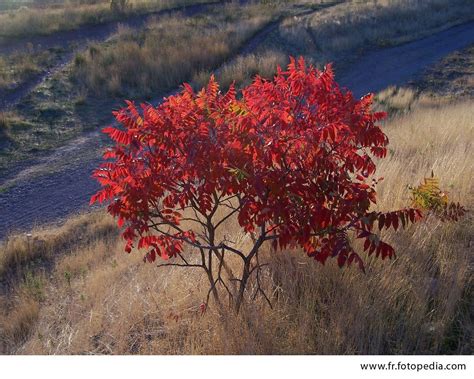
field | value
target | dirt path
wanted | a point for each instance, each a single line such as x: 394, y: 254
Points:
x: 60, y: 184
x: 401, y: 64
x: 74, y: 41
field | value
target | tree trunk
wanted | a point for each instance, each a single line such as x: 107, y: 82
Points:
x: 243, y: 285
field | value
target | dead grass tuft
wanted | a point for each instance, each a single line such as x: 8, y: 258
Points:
x: 244, y: 68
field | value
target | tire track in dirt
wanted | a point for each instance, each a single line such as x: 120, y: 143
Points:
x: 49, y: 197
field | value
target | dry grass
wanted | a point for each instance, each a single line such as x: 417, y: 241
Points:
x: 452, y: 77
x: 20, y: 251
x: 18, y: 68
x: 31, y: 21
x: 171, y: 50
x: 242, y: 69
x: 436, y: 138
x: 16, y: 328
x: 4, y: 122
x: 98, y: 300
x: 9, y: 120
x: 25, y: 264
x: 401, y: 100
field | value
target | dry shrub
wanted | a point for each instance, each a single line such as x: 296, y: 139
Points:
x: 20, y: 66
x: 242, y: 69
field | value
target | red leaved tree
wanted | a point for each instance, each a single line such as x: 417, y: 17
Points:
x: 291, y: 159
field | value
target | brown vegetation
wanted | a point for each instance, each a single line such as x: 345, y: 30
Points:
x: 18, y: 68
x: 72, y: 290
x: 452, y: 77
x: 242, y: 69
x: 328, y: 34
x: 134, y: 63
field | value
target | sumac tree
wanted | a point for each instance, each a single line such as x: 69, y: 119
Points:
x: 291, y: 159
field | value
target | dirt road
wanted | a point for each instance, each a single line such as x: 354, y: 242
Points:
x: 60, y: 184
x: 400, y: 64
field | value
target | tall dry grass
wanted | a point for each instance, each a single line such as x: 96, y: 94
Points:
x: 168, y: 52
x: 243, y: 69
x: 98, y: 300
x: 19, y: 67
x: 26, y: 262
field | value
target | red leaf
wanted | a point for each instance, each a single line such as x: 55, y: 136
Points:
x: 381, y: 221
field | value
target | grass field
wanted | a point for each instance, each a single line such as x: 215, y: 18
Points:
x: 132, y: 63
x: 68, y: 295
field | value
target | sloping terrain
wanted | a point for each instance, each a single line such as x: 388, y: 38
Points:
x: 66, y: 285
x: 72, y: 41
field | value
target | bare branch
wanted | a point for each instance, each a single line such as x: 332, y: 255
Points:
x: 259, y: 289
x: 231, y: 249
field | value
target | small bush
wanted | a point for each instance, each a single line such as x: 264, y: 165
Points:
x: 292, y: 159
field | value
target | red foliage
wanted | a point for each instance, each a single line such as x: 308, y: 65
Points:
x: 294, y: 155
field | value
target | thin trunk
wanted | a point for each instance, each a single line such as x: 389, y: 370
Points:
x: 246, y: 270
x: 243, y: 285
